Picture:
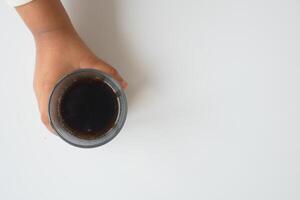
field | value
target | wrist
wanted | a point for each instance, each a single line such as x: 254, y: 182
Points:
x: 55, y: 37
x: 52, y: 33
x: 46, y: 19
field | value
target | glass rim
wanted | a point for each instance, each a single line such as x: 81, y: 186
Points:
x: 110, y: 134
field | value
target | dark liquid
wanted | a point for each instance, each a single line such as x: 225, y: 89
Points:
x: 88, y: 108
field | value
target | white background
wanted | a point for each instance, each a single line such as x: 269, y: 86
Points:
x: 214, y: 104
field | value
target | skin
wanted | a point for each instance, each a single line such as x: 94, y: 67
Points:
x: 59, y: 49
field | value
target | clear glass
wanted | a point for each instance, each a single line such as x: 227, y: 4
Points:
x: 59, y: 90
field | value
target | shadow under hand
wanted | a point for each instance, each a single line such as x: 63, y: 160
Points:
x: 97, y: 23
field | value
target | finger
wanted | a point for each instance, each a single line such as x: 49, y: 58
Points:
x: 111, y: 71
x: 43, y: 106
x: 114, y: 73
x: 46, y: 122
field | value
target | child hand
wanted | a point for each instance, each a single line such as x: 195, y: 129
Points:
x: 59, y: 52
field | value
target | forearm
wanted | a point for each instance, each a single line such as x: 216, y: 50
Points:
x: 44, y: 16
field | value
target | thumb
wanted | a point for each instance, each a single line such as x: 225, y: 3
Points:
x: 106, y: 68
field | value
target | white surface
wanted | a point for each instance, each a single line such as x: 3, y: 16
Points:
x: 214, y: 104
